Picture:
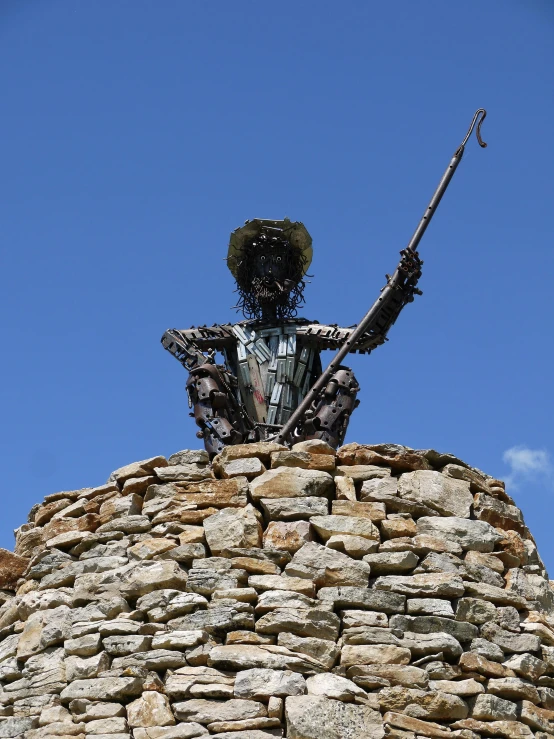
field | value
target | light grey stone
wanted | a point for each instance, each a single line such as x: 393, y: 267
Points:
x: 324, y: 651
x: 527, y: 666
x: 165, y: 604
x: 334, y: 686
x: 429, y: 606
x: 472, y: 535
x: 206, y: 711
x: 432, y: 584
x: 393, y: 563
x: 460, y: 630
x: 475, y: 611
x: 14, y: 727
x: 233, y: 527
x: 261, y: 684
x: 189, y: 456
x: 78, y: 668
x: 223, y: 616
x: 448, y: 496
x: 179, y: 639
x: 491, y: 708
x: 84, y: 646
x: 190, y: 472
x: 155, y: 659
x: 119, y: 646
x: 510, y: 642
x: 363, y: 598
x: 147, y: 576
x: 487, y: 649
x: 269, y: 600
x: 327, y: 567
x: 513, y: 688
x: 245, y: 657
x: 102, y: 689
x: 421, y: 645
x: 318, y: 717
x: 294, y: 509
x: 206, y: 582
x: 313, y: 622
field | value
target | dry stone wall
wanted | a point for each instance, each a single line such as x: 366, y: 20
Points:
x: 377, y: 591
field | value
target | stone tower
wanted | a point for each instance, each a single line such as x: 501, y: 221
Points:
x: 310, y: 594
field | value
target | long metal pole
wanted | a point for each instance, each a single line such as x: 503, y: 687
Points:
x: 374, y: 311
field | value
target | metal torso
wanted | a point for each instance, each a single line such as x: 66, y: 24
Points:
x: 275, y: 366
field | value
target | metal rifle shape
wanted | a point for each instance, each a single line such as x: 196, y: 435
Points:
x: 398, y: 282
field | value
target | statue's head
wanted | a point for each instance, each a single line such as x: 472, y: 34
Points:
x: 268, y: 260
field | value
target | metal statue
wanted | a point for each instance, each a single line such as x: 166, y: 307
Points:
x: 271, y: 385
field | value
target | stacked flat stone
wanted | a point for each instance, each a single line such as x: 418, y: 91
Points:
x: 306, y: 593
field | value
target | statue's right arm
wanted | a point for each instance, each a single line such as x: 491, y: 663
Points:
x: 188, y: 345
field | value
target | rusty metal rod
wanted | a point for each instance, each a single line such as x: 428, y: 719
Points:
x: 368, y: 320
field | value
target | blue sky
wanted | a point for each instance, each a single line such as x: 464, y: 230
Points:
x: 137, y: 135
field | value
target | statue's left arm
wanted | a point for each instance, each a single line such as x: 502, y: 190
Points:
x: 333, y: 337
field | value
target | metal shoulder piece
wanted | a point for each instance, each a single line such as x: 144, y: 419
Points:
x: 187, y: 345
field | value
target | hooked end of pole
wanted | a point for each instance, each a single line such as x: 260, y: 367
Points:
x: 478, y: 119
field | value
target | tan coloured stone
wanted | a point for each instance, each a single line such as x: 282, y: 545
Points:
x: 399, y: 458
x: 432, y: 705
x: 45, y: 512
x: 138, y: 485
x: 473, y: 662
x: 314, y: 446
x: 137, y: 469
x: 151, y: 709
x: 327, y: 526
x: 255, y: 566
x: 362, y: 472
x: 192, y: 535
x: 504, y: 729
x: 464, y: 688
x: 397, y: 527
x: 406, y: 675
x: 288, y: 482
x: 424, y: 728
x: 537, y: 718
x: 357, y: 654
x: 354, y: 546
x: 287, y: 536
x: 282, y: 582
x: 12, y: 568
x: 303, y: 460
x: 128, y: 505
x: 374, y: 511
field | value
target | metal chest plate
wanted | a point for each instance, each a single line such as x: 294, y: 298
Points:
x: 274, y: 371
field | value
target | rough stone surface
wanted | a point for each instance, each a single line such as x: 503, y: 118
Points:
x: 303, y: 594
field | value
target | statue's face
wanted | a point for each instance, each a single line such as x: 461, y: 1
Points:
x: 269, y: 276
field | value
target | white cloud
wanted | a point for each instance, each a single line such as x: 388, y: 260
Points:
x: 526, y: 464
